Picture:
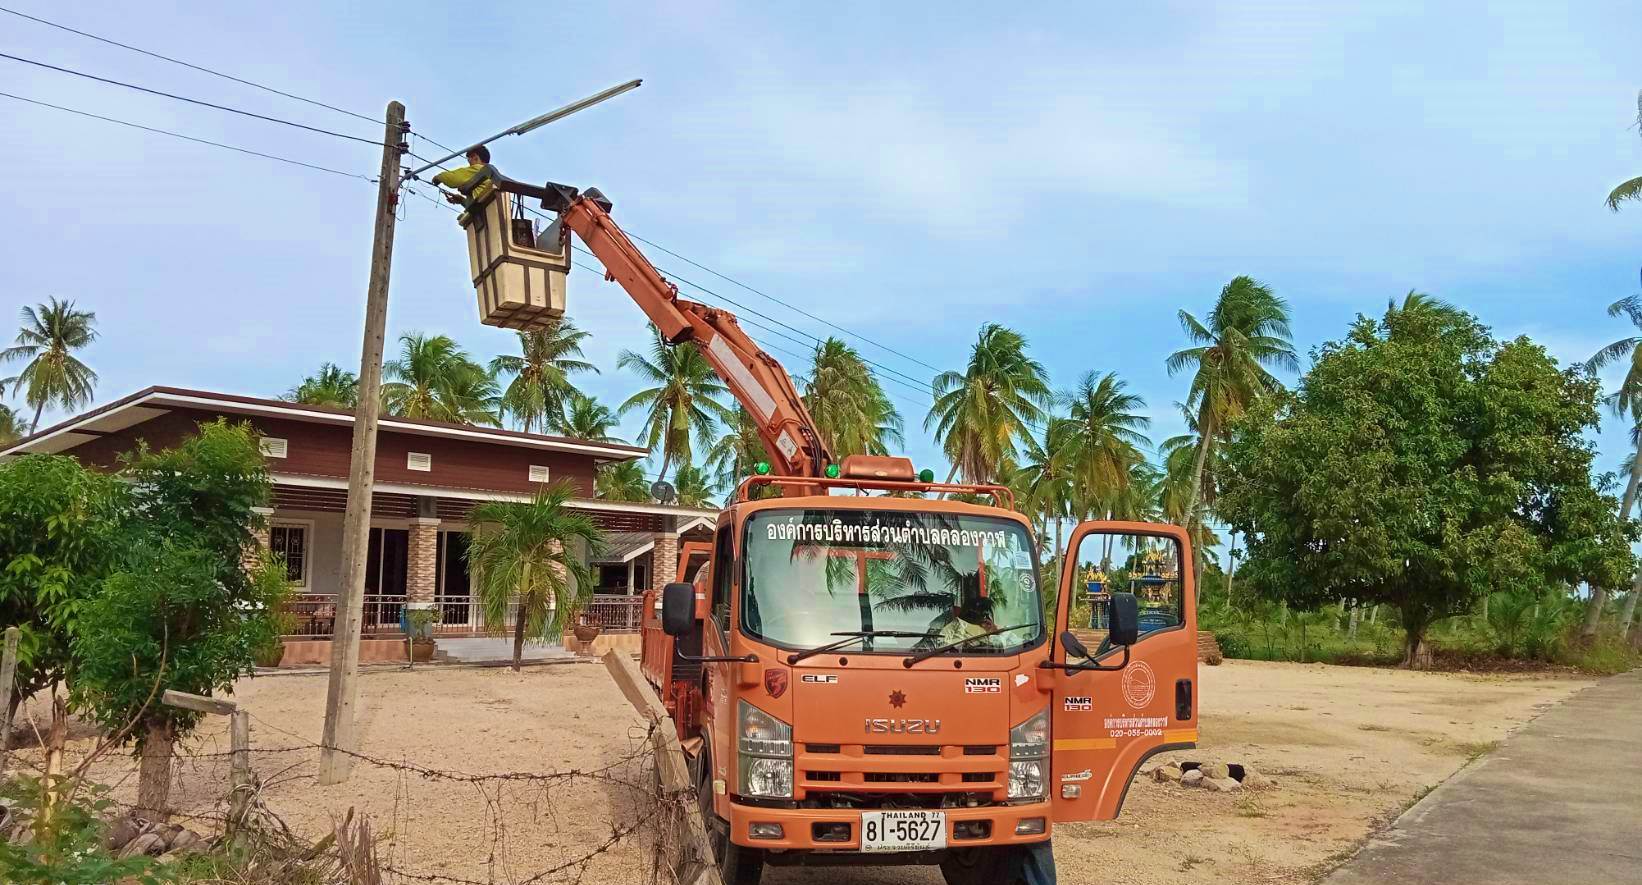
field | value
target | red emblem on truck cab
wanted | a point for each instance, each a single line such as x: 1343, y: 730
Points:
x: 775, y: 682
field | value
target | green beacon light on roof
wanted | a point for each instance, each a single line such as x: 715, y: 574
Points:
x: 762, y: 468
x: 926, y: 475
x: 831, y: 471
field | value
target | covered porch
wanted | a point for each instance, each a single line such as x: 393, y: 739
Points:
x: 418, y: 556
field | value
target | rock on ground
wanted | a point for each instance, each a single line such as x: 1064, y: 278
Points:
x: 1191, y: 778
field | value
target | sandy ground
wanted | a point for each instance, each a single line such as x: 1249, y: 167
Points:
x: 1350, y: 747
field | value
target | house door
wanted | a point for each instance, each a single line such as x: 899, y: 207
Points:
x: 455, y: 581
x: 387, y: 566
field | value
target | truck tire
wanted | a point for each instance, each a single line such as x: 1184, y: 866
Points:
x: 1015, y: 865
x: 737, y: 864
x: 974, y: 866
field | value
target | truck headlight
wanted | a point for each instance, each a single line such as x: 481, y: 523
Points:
x: 764, y: 745
x: 1026, y: 779
x: 1029, y: 757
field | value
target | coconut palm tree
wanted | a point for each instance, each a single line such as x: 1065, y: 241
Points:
x: 849, y: 406
x: 538, y: 394
x: 1043, y: 480
x: 732, y: 456
x: 622, y: 481
x: 50, y: 334
x: 1625, y: 402
x: 434, y: 379
x: 692, y: 487
x: 527, y: 557
x: 684, y: 403
x: 980, y: 414
x: 330, y: 386
x: 1247, y: 331
x: 586, y: 418
x: 1106, y: 434
x: 1630, y: 190
x: 11, y: 427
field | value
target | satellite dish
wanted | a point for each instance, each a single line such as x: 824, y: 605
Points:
x: 663, y: 491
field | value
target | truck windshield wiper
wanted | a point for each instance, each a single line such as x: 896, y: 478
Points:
x: 855, y: 636
x: 928, y: 653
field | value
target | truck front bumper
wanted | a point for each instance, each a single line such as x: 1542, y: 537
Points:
x: 818, y: 829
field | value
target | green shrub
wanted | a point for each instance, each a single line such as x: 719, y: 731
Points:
x: 67, y: 849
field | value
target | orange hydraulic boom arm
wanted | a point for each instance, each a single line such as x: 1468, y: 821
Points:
x: 756, y: 379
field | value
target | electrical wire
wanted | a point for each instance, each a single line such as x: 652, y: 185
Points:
x: 190, y: 65
x: 216, y: 144
x: 315, y: 102
x: 890, y: 373
x: 789, y: 306
x: 368, y: 118
x: 201, y: 102
x: 205, y: 70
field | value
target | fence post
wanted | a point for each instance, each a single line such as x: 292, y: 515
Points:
x: 671, y: 768
x: 8, y: 678
x: 239, y: 747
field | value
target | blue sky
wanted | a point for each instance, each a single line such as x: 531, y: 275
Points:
x: 1080, y: 173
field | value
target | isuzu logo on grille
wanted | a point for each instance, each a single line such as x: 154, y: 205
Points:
x: 903, y: 726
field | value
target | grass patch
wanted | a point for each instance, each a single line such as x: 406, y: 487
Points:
x: 1370, y: 726
x: 1475, y: 750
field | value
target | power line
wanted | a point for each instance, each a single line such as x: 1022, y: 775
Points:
x: 178, y: 61
x: 315, y: 102
x: 789, y: 306
x: 202, y: 103
x: 368, y: 118
x: 216, y: 144
x: 205, y: 70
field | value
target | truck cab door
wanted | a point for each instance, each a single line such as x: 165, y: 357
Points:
x: 1107, y: 722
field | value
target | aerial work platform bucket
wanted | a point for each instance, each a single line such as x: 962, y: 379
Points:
x: 518, y: 272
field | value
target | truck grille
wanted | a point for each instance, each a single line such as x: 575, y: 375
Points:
x: 901, y: 775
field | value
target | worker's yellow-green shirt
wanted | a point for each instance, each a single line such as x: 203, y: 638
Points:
x: 455, y: 178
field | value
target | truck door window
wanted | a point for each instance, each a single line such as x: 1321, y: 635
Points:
x: 723, y: 577
x: 1146, y: 565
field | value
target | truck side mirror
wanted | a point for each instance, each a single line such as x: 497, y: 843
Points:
x: 1074, y: 646
x: 678, y: 609
x: 1123, y: 609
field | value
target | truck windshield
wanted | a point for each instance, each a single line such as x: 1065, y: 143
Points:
x: 812, y: 574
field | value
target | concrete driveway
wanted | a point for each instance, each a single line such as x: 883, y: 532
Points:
x: 1559, y: 802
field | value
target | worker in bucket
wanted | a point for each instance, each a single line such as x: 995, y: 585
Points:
x: 478, y: 158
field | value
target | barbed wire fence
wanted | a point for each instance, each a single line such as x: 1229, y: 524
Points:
x: 535, y: 827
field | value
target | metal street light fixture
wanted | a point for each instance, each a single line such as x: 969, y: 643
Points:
x: 537, y: 122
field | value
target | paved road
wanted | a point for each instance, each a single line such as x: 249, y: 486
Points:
x: 1559, y: 802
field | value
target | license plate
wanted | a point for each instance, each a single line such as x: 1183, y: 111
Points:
x: 903, y: 830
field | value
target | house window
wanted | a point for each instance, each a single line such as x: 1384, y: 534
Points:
x: 538, y: 473
x: 418, y: 461
x: 273, y: 447
x: 290, y: 541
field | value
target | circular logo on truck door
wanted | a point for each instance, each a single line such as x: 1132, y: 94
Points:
x: 1139, y: 685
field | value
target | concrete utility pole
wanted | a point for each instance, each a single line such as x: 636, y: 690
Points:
x: 339, y: 739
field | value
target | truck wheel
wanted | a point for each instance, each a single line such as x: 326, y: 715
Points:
x: 973, y: 866
x: 737, y: 864
x: 1015, y: 865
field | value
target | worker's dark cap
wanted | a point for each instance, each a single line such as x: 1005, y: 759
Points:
x: 483, y: 152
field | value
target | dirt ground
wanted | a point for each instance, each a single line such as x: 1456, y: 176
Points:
x: 1349, y: 747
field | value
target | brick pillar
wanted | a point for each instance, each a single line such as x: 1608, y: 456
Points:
x: 422, y: 569
x: 664, y: 560
x: 260, y: 533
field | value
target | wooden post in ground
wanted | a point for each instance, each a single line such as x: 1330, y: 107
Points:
x: 695, y: 863
x: 343, y: 691
x: 239, y: 745
x: 8, y: 679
